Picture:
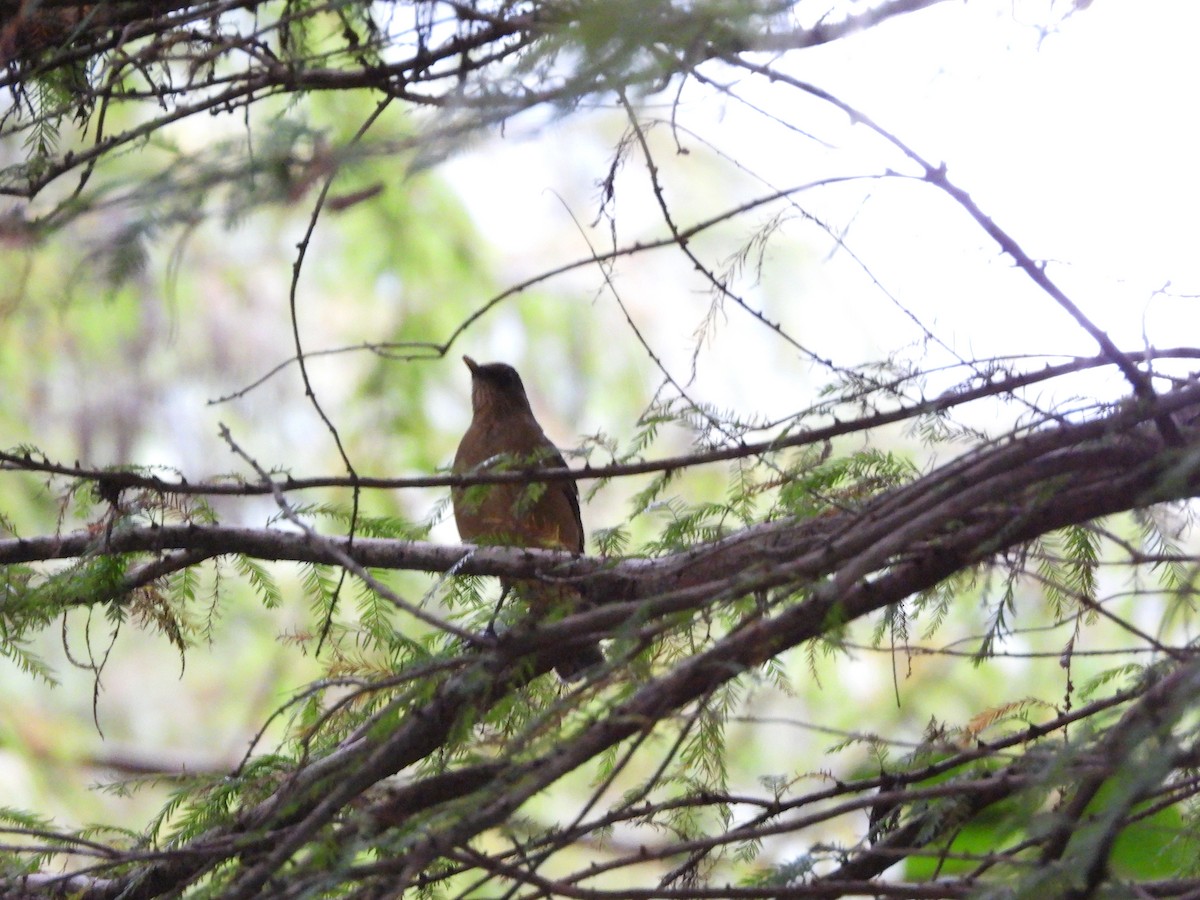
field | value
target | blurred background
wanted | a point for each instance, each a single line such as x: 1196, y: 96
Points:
x: 127, y: 345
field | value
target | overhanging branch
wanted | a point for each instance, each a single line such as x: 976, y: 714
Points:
x: 965, y: 513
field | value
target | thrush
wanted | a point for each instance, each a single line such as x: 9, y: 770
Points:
x: 503, y: 434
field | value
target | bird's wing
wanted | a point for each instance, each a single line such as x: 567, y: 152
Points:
x: 555, y: 461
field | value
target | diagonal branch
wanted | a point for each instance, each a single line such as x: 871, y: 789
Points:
x: 821, y: 576
x: 936, y: 175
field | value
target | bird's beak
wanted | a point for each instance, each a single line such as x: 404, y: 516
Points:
x: 472, y: 365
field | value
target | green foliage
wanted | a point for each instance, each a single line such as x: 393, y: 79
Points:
x: 611, y: 541
x: 365, y: 525
x: 375, y: 613
x: 265, y: 586
x: 50, y: 97
x: 1161, y: 533
x: 1125, y: 674
x: 638, y: 43
x: 1067, y: 562
x: 999, y: 626
x: 812, y: 484
x: 412, y: 265
x: 936, y: 604
x: 13, y: 862
x: 199, y: 804
x: 36, y: 601
x: 893, y: 625
x: 793, y: 871
x: 966, y: 842
x: 24, y: 612
x: 1159, y: 843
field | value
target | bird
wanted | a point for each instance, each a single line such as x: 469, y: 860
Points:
x: 504, y: 433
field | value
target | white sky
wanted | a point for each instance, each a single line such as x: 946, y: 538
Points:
x: 1080, y: 143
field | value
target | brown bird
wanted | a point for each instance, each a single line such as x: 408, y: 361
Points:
x: 504, y: 434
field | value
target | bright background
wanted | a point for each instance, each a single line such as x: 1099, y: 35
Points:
x: 1072, y: 131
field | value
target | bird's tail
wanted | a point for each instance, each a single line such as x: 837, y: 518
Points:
x: 540, y: 599
x: 575, y: 666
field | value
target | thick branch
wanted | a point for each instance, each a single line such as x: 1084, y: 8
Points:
x: 845, y: 567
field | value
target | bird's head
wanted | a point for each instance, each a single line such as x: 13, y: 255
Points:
x: 496, y: 388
